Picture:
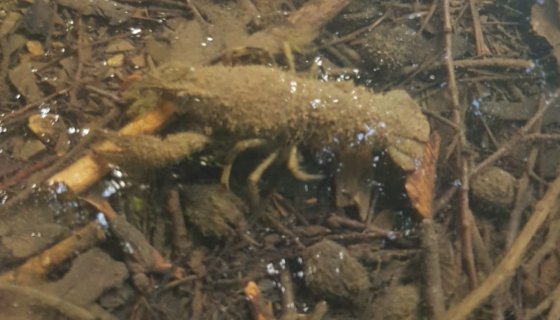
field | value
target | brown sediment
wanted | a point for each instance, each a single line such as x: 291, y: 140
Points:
x: 260, y: 102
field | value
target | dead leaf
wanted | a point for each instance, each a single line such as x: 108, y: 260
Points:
x: 420, y: 184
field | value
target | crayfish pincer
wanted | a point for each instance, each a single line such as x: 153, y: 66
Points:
x: 258, y: 105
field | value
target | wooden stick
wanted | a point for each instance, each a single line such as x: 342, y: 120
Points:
x: 481, y: 48
x: 89, y: 169
x: 36, y: 268
x: 432, y: 268
x: 43, y: 299
x: 462, y: 161
x: 523, y: 134
x: 181, y: 241
x: 496, y: 62
x: 510, y: 262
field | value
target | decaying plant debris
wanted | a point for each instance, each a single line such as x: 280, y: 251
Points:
x: 313, y: 159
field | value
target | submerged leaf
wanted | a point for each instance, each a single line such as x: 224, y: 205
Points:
x: 420, y: 184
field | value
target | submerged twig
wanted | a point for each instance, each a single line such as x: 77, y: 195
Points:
x: 44, y: 299
x: 289, y: 310
x: 432, y: 268
x: 88, y: 169
x: 552, y: 299
x: 37, y: 267
x: 39, y: 177
x: 181, y: 242
x: 19, y: 113
x: 462, y: 161
x: 429, y: 15
x: 493, y: 63
x: 521, y: 202
x: 481, y: 48
x: 505, y: 148
x: 510, y: 262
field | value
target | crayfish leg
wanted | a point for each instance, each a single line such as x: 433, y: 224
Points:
x: 296, y: 170
x: 255, y: 176
x: 233, y: 153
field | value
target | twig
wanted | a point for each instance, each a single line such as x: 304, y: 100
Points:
x: 181, y: 241
x: 492, y: 62
x: 549, y: 246
x: 428, y: 16
x: 505, y: 269
x: 39, y: 177
x: 356, y: 33
x: 462, y: 161
x: 507, y: 147
x: 115, y: 98
x: 481, y: 48
x: 139, y: 250
x: 197, y: 14
x: 197, y: 301
x: 37, y: 267
x: 43, y: 299
x: 504, y: 149
x: 79, y: 69
x: 87, y: 170
x: 542, y: 136
x: 553, y: 297
x: 21, y: 111
x: 441, y: 119
x: 467, y: 223
x: 27, y: 171
x: 430, y: 248
x: 521, y: 202
x: 487, y: 265
x: 289, y: 310
x: 337, y: 221
x: 284, y: 230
